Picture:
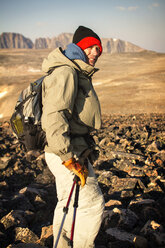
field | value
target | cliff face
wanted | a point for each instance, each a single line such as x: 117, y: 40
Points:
x: 119, y: 46
x: 62, y: 40
x: 14, y: 40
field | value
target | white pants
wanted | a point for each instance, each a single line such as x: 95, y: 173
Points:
x: 90, y: 206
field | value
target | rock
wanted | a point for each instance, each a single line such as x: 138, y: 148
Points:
x: 3, y: 185
x: 14, y: 218
x: 139, y: 203
x: 129, y: 166
x: 25, y: 235
x: 120, y: 154
x: 145, y: 136
x: 3, y: 239
x: 14, y: 40
x: 104, y: 142
x: 149, y: 162
x: 29, y: 245
x: 151, y: 226
x: 6, y: 124
x: 112, y: 203
x: 145, y: 208
x: 130, y: 176
x: 106, y: 178
x: 152, y: 212
x: 137, y: 241
x: 46, y: 236
x: 140, y: 242
x: 4, y: 161
x: 155, y: 231
x: 159, y: 162
x: 126, y: 193
x: 46, y: 177
x: 32, y: 155
x: 100, y: 246
x: 126, y: 184
x: 122, y: 218
x: 154, y: 147
x: 39, y: 202
x: 19, y: 202
x: 119, y: 244
x: 160, y: 155
x: 30, y: 190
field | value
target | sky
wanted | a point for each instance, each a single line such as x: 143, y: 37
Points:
x: 141, y: 22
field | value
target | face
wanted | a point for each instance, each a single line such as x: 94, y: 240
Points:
x: 92, y: 54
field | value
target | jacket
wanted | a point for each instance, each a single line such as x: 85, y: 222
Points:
x: 71, y: 108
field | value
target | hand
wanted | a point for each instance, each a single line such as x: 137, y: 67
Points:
x: 78, y: 169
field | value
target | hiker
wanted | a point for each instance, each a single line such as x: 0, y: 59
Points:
x: 71, y: 110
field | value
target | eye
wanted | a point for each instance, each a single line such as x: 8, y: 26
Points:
x: 98, y: 49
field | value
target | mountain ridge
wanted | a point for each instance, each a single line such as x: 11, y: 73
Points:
x: 17, y: 40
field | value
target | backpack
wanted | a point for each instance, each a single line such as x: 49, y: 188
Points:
x: 26, y: 119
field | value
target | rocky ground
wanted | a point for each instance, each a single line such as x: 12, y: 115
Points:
x: 130, y: 171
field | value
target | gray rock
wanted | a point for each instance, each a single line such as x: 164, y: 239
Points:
x: 155, y: 231
x: 137, y: 241
x: 125, y: 184
x: 122, y: 218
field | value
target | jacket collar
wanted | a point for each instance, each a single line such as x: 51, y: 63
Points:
x: 85, y: 68
x: 57, y: 58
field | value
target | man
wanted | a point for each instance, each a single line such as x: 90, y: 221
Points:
x: 71, y: 110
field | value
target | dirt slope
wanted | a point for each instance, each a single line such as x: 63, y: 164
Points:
x: 126, y: 83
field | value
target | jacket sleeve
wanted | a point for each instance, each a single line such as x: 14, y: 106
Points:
x: 59, y: 93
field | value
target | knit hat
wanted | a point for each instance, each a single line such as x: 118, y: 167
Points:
x: 85, y: 37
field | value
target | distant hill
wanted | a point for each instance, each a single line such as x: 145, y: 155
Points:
x: 15, y: 40
x: 62, y: 40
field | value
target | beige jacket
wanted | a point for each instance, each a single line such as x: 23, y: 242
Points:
x: 71, y: 107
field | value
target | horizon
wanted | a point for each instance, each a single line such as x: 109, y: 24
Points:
x: 114, y: 39
x: 140, y: 22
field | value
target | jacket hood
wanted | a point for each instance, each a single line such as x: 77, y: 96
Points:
x: 56, y: 58
x: 75, y: 52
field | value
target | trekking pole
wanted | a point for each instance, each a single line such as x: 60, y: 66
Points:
x: 65, y: 210
x: 75, y: 205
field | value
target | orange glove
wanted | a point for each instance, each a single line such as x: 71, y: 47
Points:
x: 78, y: 169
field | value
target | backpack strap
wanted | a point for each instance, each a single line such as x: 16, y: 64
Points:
x: 22, y: 102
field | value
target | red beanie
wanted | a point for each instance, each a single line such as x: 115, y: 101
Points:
x: 85, y: 37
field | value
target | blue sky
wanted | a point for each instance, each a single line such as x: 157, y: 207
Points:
x: 141, y: 22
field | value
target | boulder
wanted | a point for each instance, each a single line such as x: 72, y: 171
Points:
x: 25, y: 235
x: 155, y: 232
x: 135, y: 240
x: 122, y: 218
x: 14, y: 218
